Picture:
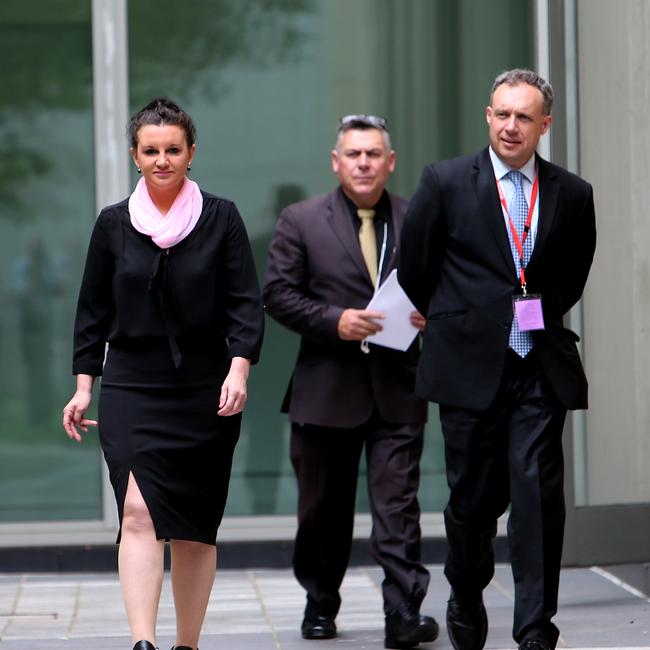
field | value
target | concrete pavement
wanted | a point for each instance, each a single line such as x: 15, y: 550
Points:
x: 261, y: 609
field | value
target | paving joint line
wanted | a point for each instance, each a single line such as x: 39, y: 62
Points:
x: 619, y: 583
x: 251, y: 577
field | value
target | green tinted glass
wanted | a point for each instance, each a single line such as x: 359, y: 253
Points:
x: 46, y: 213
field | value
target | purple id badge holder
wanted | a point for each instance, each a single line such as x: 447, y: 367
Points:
x: 528, y: 310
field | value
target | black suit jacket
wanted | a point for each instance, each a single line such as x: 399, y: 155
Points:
x: 457, y: 267
x: 315, y: 271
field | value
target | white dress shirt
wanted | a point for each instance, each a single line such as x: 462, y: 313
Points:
x: 529, y: 172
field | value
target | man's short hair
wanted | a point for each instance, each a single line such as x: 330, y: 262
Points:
x: 523, y: 76
x: 363, y: 122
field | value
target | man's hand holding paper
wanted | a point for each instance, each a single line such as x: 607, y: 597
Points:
x: 399, y: 326
x: 357, y: 324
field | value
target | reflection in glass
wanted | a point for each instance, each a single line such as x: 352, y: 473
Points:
x: 46, y: 194
x: 266, y: 82
x: 36, y: 283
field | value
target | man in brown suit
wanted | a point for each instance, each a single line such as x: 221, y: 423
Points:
x: 345, y: 396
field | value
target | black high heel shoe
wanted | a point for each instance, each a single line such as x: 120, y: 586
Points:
x: 144, y: 645
x: 182, y: 647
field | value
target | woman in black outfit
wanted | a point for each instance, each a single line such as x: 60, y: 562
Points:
x: 170, y: 284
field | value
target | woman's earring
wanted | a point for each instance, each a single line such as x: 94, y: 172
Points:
x: 139, y: 170
x: 189, y: 167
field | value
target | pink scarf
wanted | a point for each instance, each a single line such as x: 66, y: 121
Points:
x: 177, y: 224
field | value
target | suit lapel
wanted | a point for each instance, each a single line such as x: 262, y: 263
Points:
x: 338, y: 216
x: 397, y: 216
x: 548, y: 196
x: 488, y: 199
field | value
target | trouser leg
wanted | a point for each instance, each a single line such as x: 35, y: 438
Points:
x: 510, y: 452
x: 393, y: 455
x: 536, y: 524
x: 475, y: 454
x: 326, y: 464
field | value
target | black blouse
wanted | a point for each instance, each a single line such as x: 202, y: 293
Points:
x: 204, y: 290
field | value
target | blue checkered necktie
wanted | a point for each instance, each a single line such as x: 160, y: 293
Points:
x: 520, y: 342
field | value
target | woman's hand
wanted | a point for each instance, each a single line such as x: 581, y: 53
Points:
x: 75, y: 409
x: 233, y: 391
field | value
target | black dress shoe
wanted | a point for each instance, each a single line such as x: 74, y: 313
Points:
x: 144, y: 645
x: 534, y: 644
x: 467, y: 624
x: 182, y: 647
x: 318, y: 626
x: 406, y: 627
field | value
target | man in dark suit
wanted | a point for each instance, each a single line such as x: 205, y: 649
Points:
x: 496, y: 356
x: 345, y: 395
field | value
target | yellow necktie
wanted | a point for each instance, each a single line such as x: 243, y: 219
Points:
x: 368, y: 241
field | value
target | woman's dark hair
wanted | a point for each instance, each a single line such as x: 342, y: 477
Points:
x: 159, y: 111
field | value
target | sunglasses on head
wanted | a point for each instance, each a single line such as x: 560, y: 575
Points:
x: 364, y: 120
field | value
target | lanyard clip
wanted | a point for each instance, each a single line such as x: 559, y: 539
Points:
x: 523, y: 289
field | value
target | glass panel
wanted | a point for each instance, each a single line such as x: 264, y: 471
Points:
x: 46, y: 194
x: 266, y: 82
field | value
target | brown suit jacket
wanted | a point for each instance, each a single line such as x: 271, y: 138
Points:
x: 315, y: 271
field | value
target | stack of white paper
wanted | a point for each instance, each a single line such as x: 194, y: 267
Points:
x: 390, y: 299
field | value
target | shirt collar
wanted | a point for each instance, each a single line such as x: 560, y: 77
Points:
x: 501, y: 169
x: 381, y: 208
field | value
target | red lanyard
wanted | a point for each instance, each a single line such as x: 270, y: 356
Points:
x: 519, y: 242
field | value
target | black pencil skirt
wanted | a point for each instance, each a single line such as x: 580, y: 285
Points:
x: 161, y: 425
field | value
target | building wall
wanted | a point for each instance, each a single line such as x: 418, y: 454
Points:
x: 266, y: 109
x: 614, y: 96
